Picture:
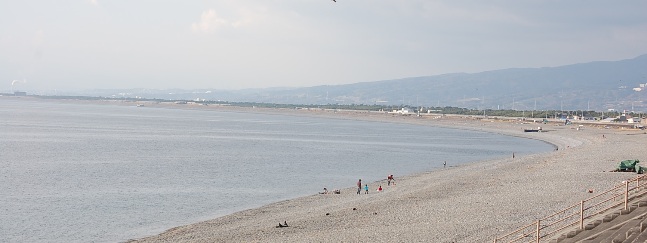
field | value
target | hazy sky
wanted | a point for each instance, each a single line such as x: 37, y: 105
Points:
x: 234, y: 44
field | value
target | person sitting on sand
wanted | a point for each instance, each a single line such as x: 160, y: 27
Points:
x: 325, y: 191
x: 379, y: 189
x: 337, y: 191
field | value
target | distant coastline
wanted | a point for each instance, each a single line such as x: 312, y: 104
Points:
x: 340, y: 111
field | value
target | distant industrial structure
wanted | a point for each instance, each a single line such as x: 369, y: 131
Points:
x: 640, y: 87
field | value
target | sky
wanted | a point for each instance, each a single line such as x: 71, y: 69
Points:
x: 240, y: 44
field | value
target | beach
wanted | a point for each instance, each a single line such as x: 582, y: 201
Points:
x: 468, y: 203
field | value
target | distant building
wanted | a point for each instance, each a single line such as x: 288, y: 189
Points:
x: 19, y: 93
x: 622, y: 118
x: 609, y: 119
x: 405, y: 110
x: 633, y: 120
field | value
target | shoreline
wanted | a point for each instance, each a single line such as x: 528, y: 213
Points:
x: 474, y: 202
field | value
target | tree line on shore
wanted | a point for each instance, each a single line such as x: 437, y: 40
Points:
x: 538, y: 114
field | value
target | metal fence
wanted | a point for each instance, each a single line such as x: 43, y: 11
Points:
x: 578, y: 215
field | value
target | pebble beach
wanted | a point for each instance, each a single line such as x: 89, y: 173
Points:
x: 473, y: 202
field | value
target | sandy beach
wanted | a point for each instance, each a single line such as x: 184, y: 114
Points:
x: 469, y: 203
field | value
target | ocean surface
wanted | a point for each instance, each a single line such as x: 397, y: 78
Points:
x: 109, y: 173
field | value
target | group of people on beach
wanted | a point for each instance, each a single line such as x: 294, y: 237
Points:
x: 389, y: 178
x: 379, y: 189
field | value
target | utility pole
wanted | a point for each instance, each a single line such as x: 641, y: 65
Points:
x: 512, y: 103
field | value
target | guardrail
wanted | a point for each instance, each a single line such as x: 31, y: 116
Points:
x: 576, y: 216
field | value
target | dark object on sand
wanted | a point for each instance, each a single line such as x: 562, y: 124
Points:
x: 285, y: 224
x: 532, y: 130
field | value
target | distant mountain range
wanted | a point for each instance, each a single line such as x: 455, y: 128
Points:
x: 601, y: 85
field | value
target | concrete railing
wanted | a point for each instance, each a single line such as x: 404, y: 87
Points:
x: 578, y: 215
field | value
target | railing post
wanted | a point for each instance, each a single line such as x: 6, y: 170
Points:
x: 582, y: 214
x: 626, y: 195
x: 638, y: 183
x: 538, y: 226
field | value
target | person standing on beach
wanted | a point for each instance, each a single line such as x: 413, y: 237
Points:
x: 359, y: 186
x: 366, y: 189
x: 444, y: 164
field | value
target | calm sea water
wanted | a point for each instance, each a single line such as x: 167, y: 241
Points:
x: 104, y: 173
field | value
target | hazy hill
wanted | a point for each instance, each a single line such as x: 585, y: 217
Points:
x: 596, y: 86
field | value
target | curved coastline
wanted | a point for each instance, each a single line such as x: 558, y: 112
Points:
x: 474, y: 202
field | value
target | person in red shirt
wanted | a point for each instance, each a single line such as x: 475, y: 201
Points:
x: 389, y: 179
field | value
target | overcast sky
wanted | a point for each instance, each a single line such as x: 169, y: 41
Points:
x: 236, y: 44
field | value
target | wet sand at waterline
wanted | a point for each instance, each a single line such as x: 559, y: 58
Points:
x: 468, y: 203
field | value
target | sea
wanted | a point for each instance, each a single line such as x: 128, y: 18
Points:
x: 88, y: 172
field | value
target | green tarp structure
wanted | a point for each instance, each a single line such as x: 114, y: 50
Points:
x: 630, y: 165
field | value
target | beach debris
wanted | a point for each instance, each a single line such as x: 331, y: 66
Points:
x: 327, y: 214
x: 285, y: 224
x: 354, y: 208
x: 590, y: 190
